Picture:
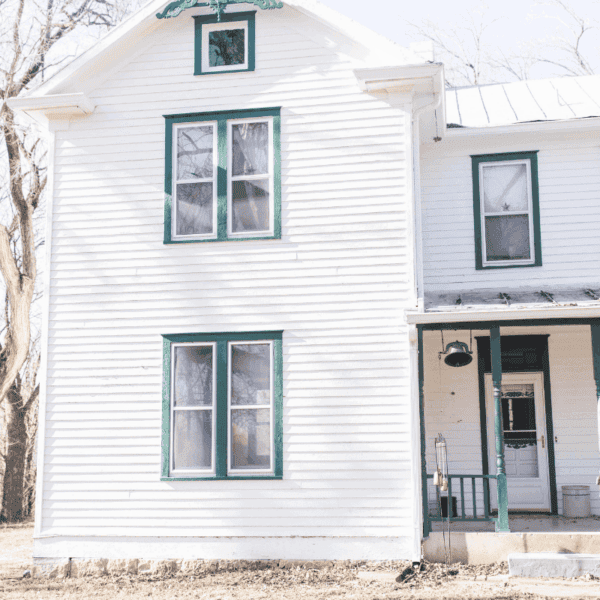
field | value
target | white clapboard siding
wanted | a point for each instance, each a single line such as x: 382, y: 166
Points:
x: 336, y: 284
x: 574, y: 409
x: 569, y: 190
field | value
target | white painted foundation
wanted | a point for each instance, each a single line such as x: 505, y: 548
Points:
x: 232, y: 548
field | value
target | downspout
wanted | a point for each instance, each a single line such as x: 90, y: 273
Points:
x: 434, y: 105
x: 416, y: 348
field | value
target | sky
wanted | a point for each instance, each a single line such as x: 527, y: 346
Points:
x: 515, y: 22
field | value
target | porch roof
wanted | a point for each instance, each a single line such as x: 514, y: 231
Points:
x: 522, y: 305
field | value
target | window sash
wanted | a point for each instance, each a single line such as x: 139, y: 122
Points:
x: 207, y: 28
x: 177, y: 181
x: 231, y: 178
x: 173, y: 409
x: 230, y: 409
x: 528, y: 213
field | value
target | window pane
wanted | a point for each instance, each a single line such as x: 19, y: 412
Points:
x: 250, y: 205
x: 518, y: 408
x: 193, y: 375
x: 195, y: 153
x: 250, y: 149
x: 194, y: 208
x: 505, y: 188
x: 226, y: 47
x: 507, y: 238
x: 192, y: 441
x: 251, y: 437
x: 250, y: 374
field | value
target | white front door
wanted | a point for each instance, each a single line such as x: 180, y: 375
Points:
x: 525, y: 441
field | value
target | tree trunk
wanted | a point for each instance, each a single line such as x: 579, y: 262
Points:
x: 14, y: 475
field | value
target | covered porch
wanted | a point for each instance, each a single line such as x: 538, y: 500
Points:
x: 519, y: 421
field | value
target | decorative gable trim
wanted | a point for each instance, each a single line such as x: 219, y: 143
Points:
x: 176, y: 8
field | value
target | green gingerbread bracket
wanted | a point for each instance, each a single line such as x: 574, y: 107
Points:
x: 174, y: 9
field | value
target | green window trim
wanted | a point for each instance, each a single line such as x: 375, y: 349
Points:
x: 241, y: 17
x: 477, y: 160
x: 221, y: 341
x: 221, y: 119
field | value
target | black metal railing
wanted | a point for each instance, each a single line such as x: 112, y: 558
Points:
x: 481, y: 515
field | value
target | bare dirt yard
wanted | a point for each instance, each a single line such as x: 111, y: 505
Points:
x: 349, y: 580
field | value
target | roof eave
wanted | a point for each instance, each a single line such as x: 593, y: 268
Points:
x: 499, y: 315
x: 425, y: 77
x: 54, y: 105
x: 580, y: 124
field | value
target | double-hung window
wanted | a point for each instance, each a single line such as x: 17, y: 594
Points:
x: 222, y: 406
x: 223, y: 176
x: 506, y: 210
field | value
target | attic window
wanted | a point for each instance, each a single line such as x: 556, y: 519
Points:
x: 225, y: 46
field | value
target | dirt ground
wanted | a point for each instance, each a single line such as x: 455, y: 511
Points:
x: 356, y: 581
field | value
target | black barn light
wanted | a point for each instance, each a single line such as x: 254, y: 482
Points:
x: 457, y: 354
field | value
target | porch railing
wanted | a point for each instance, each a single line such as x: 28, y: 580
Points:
x: 481, y: 514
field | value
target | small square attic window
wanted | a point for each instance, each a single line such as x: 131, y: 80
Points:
x: 226, y: 45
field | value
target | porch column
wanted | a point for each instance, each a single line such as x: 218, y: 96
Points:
x: 502, y: 522
x: 595, y: 330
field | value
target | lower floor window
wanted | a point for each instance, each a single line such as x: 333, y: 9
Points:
x: 222, y: 405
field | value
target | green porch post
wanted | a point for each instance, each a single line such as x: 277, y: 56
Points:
x: 502, y: 521
x: 424, y: 497
x: 595, y: 330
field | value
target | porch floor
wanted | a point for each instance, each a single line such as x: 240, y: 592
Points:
x: 529, y: 523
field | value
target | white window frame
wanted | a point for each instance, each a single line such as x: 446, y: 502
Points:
x: 213, y: 407
x: 230, y: 179
x: 242, y: 472
x: 529, y: 213
x: 176, y: 180
x: 207, y: 28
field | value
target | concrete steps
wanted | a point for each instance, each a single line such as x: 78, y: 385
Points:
x: 553, y: 564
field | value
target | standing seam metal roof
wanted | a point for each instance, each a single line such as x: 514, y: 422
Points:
x: 499, y: 104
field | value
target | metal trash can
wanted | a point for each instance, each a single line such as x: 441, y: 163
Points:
x: 576, y: 501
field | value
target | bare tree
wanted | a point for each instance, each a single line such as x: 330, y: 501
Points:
x: 471, y: 58
x: 30, y: 38
x: 463, y: 48
x: 575, y: 30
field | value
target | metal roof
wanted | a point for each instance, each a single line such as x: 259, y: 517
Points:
x: 509, y: 300
x: 561, y: 98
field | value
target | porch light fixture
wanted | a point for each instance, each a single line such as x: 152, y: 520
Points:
x: 457, y: 354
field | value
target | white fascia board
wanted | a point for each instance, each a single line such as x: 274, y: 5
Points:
x: 499, y: 315
x: 582, y: 124
x: 426, y: 77
x: 140, y: 23
x: 136, y: 25
x: 59, y: 104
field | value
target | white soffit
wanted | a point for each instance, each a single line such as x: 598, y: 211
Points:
x: 58, y: 104
x: 420, y: 78
x: 499, y: 315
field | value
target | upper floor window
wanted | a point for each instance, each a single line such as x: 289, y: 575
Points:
x: 506, y: 210
x: 222, y: 176
x: 226, y: 45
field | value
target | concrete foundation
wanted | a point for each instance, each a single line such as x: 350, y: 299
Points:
x: 97, y: 567
x: 552, y: 564
x: 487, y: 548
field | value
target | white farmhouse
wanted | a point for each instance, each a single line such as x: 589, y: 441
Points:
x: 266, y: 224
